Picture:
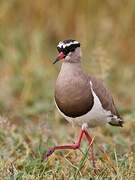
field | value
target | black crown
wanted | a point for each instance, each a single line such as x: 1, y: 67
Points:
x: 67, y: 46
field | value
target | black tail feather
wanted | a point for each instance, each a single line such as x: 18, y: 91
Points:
x: 118, y: 122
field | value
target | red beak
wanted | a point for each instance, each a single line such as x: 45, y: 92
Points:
x: 60, y: 56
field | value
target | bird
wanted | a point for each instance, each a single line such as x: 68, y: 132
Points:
x: 82, y: 99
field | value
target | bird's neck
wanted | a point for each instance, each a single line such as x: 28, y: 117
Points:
x: 70, y: 68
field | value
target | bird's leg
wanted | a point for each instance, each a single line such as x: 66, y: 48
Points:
x: 90, y: 140
x: 69, y: 146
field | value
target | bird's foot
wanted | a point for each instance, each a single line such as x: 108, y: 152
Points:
x: 49, y: 152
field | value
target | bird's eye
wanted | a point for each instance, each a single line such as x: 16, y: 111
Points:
x: 66, y: 50
x: 59, y: 49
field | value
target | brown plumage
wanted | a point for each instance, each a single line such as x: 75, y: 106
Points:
x: 73, y: 93
x: 106, y: 99
x: 80, y: 98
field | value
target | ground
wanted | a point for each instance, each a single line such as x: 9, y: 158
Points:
x: 24, y: 144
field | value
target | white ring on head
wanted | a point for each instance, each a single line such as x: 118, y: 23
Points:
x: 61, y: 44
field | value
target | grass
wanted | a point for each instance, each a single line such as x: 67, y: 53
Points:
x: 23, y: 147
x: 29, y: 121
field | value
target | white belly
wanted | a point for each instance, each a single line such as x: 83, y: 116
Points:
x: 95, y: 117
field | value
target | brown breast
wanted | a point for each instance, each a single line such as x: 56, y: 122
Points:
x: 73, y: 94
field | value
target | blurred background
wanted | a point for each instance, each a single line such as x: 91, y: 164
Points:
x: 29, y: 33
x: 29, y: 122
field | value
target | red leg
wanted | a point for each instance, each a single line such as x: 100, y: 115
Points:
x: 90, y: 140
x: 70, y: 146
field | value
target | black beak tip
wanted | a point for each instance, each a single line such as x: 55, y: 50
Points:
x: 55, y: 61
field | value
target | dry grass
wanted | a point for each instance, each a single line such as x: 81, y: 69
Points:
x: 29, y: 123
x: 23, y: 146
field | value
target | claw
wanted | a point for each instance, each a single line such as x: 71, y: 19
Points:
x: 49, y: 152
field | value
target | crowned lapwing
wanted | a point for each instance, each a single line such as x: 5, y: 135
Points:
x: 80, y: 98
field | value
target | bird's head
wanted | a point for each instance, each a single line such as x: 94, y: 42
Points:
x: 69, y: 50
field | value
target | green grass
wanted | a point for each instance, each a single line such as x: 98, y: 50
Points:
x: 29, y: 123
x: 22, y: 147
